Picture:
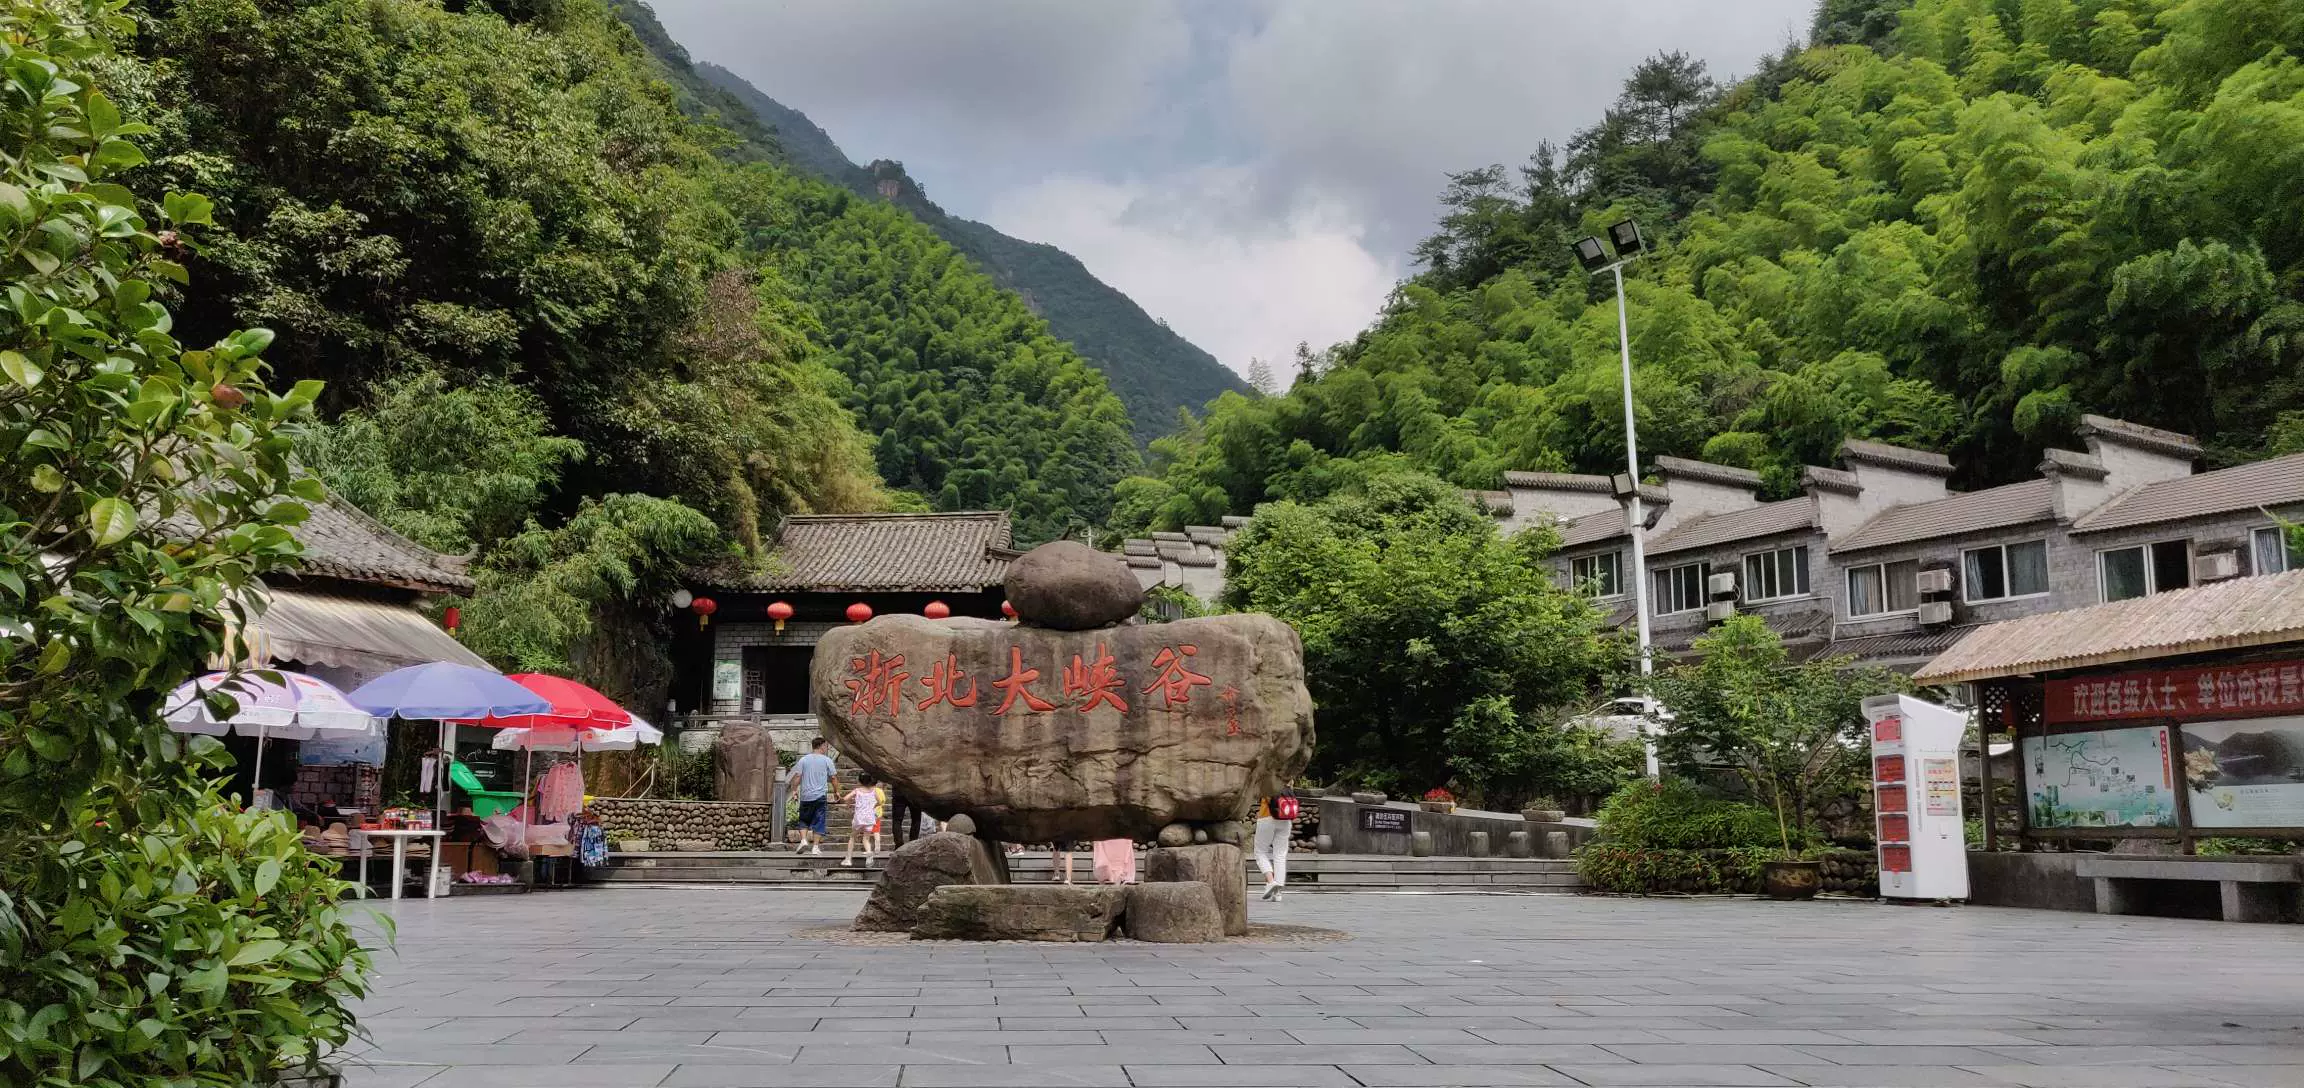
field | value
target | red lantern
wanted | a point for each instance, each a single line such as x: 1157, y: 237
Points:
x: 859, y: 612
x: 453, y: 618
x: 936, y: 610
x: 703, y: 607
x: 779, y: 611
x: 1008, y: 610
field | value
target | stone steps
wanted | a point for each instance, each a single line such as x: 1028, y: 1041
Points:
x: 1306, y: 872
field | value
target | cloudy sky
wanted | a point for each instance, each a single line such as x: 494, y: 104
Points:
x: 1254, y: 171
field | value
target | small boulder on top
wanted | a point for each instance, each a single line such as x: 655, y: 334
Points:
x: 1069, y: 586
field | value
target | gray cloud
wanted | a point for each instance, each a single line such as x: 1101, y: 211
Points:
x: 1255, y: 172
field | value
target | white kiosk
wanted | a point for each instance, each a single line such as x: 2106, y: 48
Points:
x: 1916, y: 797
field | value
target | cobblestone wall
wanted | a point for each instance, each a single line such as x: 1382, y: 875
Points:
x: 727, y: 825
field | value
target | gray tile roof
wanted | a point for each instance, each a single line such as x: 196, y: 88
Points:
x: 2137, y: 434
x: 1496, y: 503
x: 1578, y: 481
x: 1793, y: 627
x: 2231, y: 615
x: 1830, y: 479
x: 1904, y: 457
x: 343, y: 542
x: 1899, y: 646
x: 1592, y: 529
x: 1707, y: 471
x: 2073, y: 463
x: 886, y: 553
x: 1967, y: 512
x: 1766, y: 519
x: 2274, y: 483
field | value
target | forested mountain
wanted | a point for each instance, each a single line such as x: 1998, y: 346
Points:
x: 1154, y: 371
x: 1956, y: 224
x: 568, y: 326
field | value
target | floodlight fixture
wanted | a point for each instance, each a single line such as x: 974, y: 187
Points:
x: 1592, y: 253
x: 1626, y: 235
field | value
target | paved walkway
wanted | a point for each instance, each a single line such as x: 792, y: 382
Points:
x: 709, y: 987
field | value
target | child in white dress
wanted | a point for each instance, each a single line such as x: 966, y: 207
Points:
x: 863, y: 820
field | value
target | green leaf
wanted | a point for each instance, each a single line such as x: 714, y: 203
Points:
x: 110, y: 521
x: 258, y: 951
x: 267, y: 877
x: 46, y: 480
x: 187, y: 209
x: 21, y: 370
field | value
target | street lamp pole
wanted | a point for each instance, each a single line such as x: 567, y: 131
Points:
x: 1594, y: 255
x: 1635, y: 517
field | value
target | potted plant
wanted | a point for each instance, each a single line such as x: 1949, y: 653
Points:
x: 1438, y: 799
x: 1543, y: 810
x: 1792, y: 732
x: 313, y: 1075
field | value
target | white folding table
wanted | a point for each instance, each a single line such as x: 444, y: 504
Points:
x: 400, y: 837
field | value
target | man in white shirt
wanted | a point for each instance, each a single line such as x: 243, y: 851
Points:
x: 812, y: 781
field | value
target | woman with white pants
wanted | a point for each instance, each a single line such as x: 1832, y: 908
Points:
x: 1275, y: 820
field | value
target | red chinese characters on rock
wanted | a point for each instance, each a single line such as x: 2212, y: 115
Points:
x: 1018, y: 685
x: 2214, y: 692
x: 943, y: 684
x: 1231, y: 697
x: 1090, y: 684
x: 1176, y: 678
x: 877, y: 683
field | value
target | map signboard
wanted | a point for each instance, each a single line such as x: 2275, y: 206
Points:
x: 2102, y: 778
x: 2246, y: 773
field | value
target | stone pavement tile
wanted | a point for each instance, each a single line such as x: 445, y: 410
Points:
x: 484, y: 1030
x: 1744, y: 1035
x: 1012, y: 1076
x: 2106, y: 1054
x: 477, y: 1054
x: 2243, y: 1053
x: 1676, y: 1076
x: 1239, y: 1076
x: 777, y: 1039
x: 909, y: 1023
x: 1708, y: 1053
x: 841, y: 1012
x: 357, y: 1075
x: 1318, y: 1036
x: 1516, y: 1054
x: 1570, y: 1032
x: 2253, y: 1076
x: 1455, y: 1076
x: 731, y: 1020
x: 697, y: 1054
x: 594, y: 1037
x: 1169, y: 1054
x: 1454, y: 1019
x: 1008, y: 1038
x: 2091, y: 1076
x: 1349, y: 1054
x: 2141, y: 1036
x: 783, y: 1076
x: 839, y: 1053
x: 1882, y: 1076
x: 1249, y: 1034
x: 1095, y: 1023
x: 1932, y: 1035
x: 1911, y: 1055
x: 559, y: 1076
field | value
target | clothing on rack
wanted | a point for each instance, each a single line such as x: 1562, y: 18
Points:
x: 592, y: 846
x: 561, y: 794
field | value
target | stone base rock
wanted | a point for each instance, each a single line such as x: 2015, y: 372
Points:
x: 1218, y: 865
x: 920, y: 867
x: 1070, y: 586
x: 1021, y: 912
x: 1183, y: 912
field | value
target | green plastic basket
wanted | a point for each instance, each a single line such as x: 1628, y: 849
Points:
x: 485, y: 803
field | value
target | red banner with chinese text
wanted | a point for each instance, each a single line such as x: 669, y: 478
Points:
x: 2217, y: 691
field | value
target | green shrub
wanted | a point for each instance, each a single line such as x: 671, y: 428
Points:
x: 1679, y: 816
x: 2223, y: 846
x: 1640, y: 870
x: 175, y: 943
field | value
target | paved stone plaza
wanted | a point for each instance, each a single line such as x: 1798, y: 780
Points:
x: 710, y: 987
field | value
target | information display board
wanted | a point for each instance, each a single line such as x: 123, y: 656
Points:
x: 2101, y: 778
x: 2247, y: 773
x: 1916, y: 797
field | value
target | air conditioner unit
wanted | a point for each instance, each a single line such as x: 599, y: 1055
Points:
x: 1935, y: 581
x: 2215, y: 566
x: 1719, y: 611
x: 1935, y: 613
x: 1722, y: 584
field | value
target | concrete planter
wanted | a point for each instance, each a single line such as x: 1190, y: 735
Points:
x: 1437, y: 806
x: 1369, y: 798
x: 1791, y: 879
x: 1543, y: 815
x: 316, y: 1075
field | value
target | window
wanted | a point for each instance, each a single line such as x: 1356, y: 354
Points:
x: 2001, y: 572
x: 2276, y: 551
x: 1598, y: 575
x: 2145, y: 569
x: 1780, y: 573
x: 1882, y: 588
x: 1679, y: 589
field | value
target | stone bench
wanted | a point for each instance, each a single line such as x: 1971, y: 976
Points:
x: 2250, y: 889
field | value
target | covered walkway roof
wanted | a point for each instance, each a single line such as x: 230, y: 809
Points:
x: 2241, y: 613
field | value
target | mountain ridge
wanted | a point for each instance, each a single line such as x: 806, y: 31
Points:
x: 1152, y: 369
